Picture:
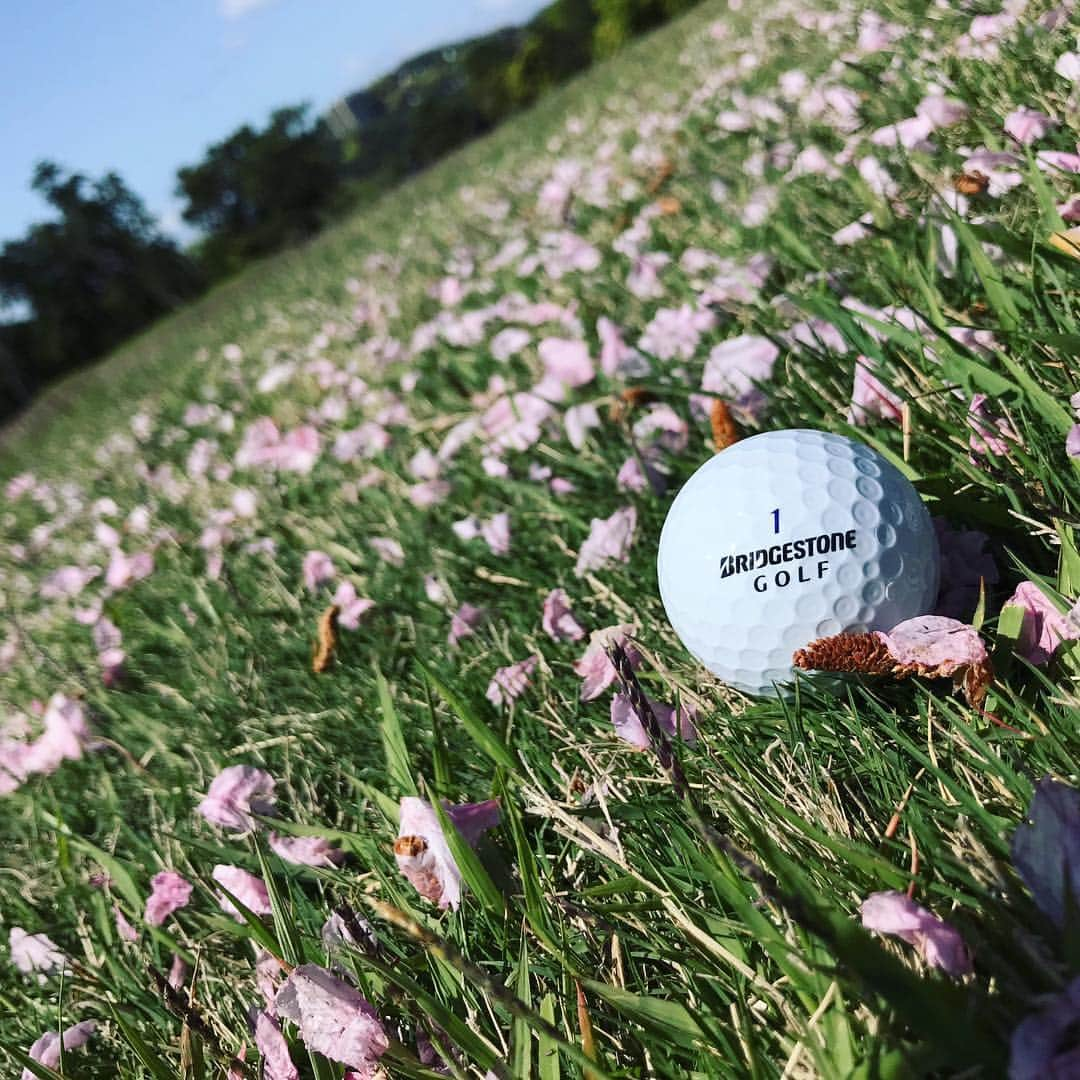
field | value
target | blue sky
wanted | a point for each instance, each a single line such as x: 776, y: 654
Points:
x: 144, y: 86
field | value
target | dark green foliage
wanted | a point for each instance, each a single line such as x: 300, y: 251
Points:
x: 618, y: 21
x: 93, y: 276
x: 102, y: 271
x: 260, y: 190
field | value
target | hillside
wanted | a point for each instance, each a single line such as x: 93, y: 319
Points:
x: 374, y: 527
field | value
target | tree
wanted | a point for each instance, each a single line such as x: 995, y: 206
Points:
x: 257, y: 191
x: 620, y: 20
x: 90, y: 278
x: 557, y: 44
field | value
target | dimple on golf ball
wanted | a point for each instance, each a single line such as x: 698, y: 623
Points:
x: 787, y: 537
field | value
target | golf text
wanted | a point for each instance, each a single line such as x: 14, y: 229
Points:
x: 792, y: 551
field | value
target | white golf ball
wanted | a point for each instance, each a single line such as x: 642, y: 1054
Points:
x: 786, y: 537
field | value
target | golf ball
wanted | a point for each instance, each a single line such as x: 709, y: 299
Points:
x: 786, y: 537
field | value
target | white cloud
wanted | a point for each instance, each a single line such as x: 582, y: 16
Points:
x: 237, y: 9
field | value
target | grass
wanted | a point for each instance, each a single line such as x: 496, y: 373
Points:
x: 612, y: 926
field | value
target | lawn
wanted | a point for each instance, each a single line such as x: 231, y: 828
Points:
x: 293, y: 556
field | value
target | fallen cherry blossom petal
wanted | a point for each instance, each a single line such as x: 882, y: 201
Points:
x: 932, y: 646
x: 629, y: 727
x: 1046, y: 849
x: 247, y: 888
x: 1043, y: 1045
x: 333, y: 1019
x: 609, y: 540
x: 509, y: 683
x: 423, y: 854
x: 938, y: 943
x: 277, y: 1064
x: 35, y: 954
x: 558, y: 620
x: 46, y: 1050
x: 464, y: 622
x: 305, y: 850
x: 168, y: 893
x: 1044, y: 627
x: 595, y: 667
x: 236, y: 793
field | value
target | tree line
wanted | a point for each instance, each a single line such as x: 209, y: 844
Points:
x: 101, y: 269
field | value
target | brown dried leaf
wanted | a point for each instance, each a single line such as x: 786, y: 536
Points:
x: 327, y: 641
x: 725, y: 432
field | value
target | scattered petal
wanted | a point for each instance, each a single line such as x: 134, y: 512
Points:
x: 423, y: 854
x: 628, y: 725
x: 236, y: 793
x: 558, y: 621
x: 1043, y: 1045
x: 932, y: 646
x: 595, y: 667
x: 277, y: 1064
x: 35, y: 954
x: 46, y: 1051
x: 333, y: 1019
x: 509, y: 683
x: 1046, y: 849
x: 609, y: 540
x: 247, y: 888
x: 1044, y: 627
x: 938, y: 943
x: 305, y: 850
x: 168, y: 893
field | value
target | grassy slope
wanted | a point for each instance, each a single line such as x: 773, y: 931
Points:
x: 691, y: 972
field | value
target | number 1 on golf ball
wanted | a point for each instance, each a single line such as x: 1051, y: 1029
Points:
x: 787, y: 537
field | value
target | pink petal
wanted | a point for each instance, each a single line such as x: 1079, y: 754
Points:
x: 871, y: 397
x: 1046, y: 849
x: 388, y: 549
x: 509, y: 683
x: 317, y: 568
x: 235, y: 794
x: 124, y: 928
x: 630, y: 476
x: 942, y: 111
x: 305, y: 850
x: 352, y: 607
x: 609, y: 540
x: 464, y: 621
x: 1028, y: 125
x: 66, y: 733
x: 628, y: 725
x: 614, y: 352
x: 34, y: 953
x: 422, y: 853
x: 567, y: 361
x: 1044, y: 627
x: 277, y: 1064
x: 557, y: 620
x: 247, y: 888
x: 496, y: 533
x: 594, y: 667
x: 46, y: 1050
x: 735, y: 367
x: 578, y: 421
x: 1043, y: 1046
x: 933, y: 641
x: 333, y: 1019
x: 939, y: 944
x: 178, y: 972
x: 168, y: 893
x: 1072, y: 442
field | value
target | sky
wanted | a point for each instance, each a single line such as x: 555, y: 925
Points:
x: 144, y: 86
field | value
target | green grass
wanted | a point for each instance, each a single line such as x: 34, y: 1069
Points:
x: 690, y: 961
